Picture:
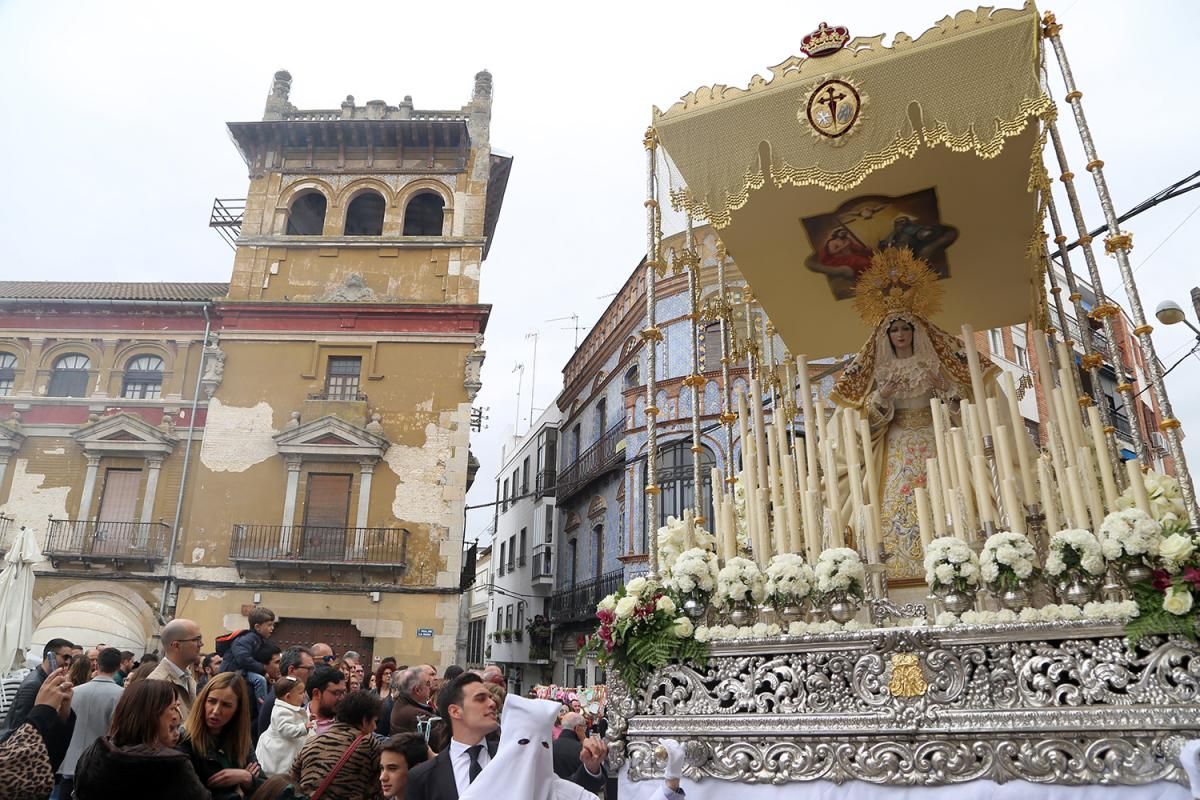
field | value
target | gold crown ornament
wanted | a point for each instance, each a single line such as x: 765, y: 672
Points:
x: 897, y: 280
x: 824, y: 41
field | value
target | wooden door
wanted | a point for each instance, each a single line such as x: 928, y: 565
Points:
x: 341, y: 635
x: 116, y: 525
x: 326, y: 509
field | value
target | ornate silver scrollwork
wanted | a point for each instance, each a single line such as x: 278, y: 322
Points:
x: 1068, y: 702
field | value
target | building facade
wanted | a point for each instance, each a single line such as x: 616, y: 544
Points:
x: 522, y: 543
x: 297, y: 438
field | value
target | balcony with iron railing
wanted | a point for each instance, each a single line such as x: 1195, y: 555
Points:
x: 578, y: 602
x: 1072, y: 331
x: 600, y: 458
x: 544, y: 481
x: 96, y: 542
x: 275, y: 547
x: 543, y: 565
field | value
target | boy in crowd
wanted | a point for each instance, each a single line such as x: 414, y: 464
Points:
x: 248, y: 648
x: 397, y: 756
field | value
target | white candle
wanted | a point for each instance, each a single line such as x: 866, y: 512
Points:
x: 1049, y: 503
x: 810, y: 424
x: 812, y: 524
x: 689, y: 529
x: 870, y: 537
x: 791, y: 497
x: 1044, y: 367
x: 1079, y: 514
x: 778, y: 518
x: 1141, y: 498
x: 749, y: 469
x: 760, y: 431
x: 1087, y: 471
x: 1024, y: 456
x: 1058, y: 459
x: 937, y: 498
x: 764, y: 531
x: 1103, y: 463
x: 923, y: 515
x: 963, y: 476
x: 1016, y: 516
x: 872, y: 469
x: 1003, y: 452
x: 977, y: 389
x: 731, y: 542
x: 983, y: 493
x: 718, y: 523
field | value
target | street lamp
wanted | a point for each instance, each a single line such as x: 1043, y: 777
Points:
x: 1171, y: 313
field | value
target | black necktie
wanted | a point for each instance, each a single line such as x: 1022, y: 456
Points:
x: 476, y: 767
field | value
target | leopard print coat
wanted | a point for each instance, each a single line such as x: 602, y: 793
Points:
x: 25, y: 771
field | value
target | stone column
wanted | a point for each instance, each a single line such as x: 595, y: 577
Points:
x: 3, y: 467
x: 366, y: 469
x: 289, y: 502
x: 89, y: 487
x: 153, y: 467
x: 27, y: 385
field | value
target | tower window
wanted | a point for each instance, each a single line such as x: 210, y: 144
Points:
x: 306, y: 217
x: 8, y: 373
x: 364, y: 217
x: 342, y: 381
x: 143, y: 378
x: 69, y: 378
x: 423, y: 215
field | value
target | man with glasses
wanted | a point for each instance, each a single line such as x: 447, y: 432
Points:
x: 57, y: 653
x: 325, y: 687
x: 181, y: 644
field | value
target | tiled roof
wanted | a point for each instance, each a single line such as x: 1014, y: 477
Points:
x: 110, y: 290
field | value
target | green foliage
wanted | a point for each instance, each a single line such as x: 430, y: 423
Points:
x: 1153, y: 619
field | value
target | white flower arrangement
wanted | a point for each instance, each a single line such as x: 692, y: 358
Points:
x: 1074, y: 549
x: 1129, y: 534
x: 1165, y: 497
x: 950, y: 563
x: 789, y: 579
x: 839, y: 569
x: 674, y: 538
x: 641, y: 588
x: 1116, y: 611
x: 694, y: 571
x: 1176, y: 550
x: 1007, y: 559
x: 740, y: 581
x: 763, y: 630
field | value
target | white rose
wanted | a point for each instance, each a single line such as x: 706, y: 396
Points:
x: 1176, y: 547
x: 607, y: 604
x: 625, y: 607
x: 701, y: 634
x: 636, y: 586
x: 946, y: 619
x: 683, y: 627
x: 1178, y: 600
x: 797, y: 628
x: 665, y: 604
x: 944, y: 573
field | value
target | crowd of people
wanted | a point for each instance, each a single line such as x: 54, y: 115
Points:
x: 249, y: 720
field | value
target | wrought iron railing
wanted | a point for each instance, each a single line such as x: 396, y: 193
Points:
x: 93, y: 540
x: 592, y: 463
x: 579, y: 602
x: 385, y: 548
x: 334, y: 394
x: 1072, y: 330
x: 226, y: 218
x: 544, y: 482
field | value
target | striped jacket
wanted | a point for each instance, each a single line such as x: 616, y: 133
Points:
x: 358, y: 778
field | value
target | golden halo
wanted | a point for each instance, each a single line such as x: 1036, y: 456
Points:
x: 896, y: 281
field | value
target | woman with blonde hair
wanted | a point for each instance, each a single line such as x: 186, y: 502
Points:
x: 217, y: 738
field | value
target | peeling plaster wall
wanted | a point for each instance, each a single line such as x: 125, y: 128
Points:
x: 31, y: 503
x: 237, y: 438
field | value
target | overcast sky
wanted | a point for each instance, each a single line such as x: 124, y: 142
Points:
x: 113, y: 129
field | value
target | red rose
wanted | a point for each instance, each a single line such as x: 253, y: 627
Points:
x: 1162, y: 580
x: 1192, y: 576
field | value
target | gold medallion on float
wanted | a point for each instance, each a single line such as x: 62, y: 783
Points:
x: 833, y: 109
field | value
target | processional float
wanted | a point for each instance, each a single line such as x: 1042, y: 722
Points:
x: 900, y: 585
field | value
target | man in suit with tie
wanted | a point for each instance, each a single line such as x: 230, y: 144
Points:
x: 470, y: 712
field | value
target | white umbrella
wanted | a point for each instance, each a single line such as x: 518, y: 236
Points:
x: 16, y: 599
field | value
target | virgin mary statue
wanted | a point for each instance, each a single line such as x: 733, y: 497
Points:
x: 906, y: 362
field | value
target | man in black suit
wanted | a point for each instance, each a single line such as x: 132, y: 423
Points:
x: 471, y: 714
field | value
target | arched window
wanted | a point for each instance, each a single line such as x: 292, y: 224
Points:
x: 712, y: 346
x: 632, y: 378
x: 69, y: 378
x: 675, y: 476
x: 306, y: 217
x: 143, y: 378
x: 423, y: 215
x: 8, y: 373
x: 364, y: 217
